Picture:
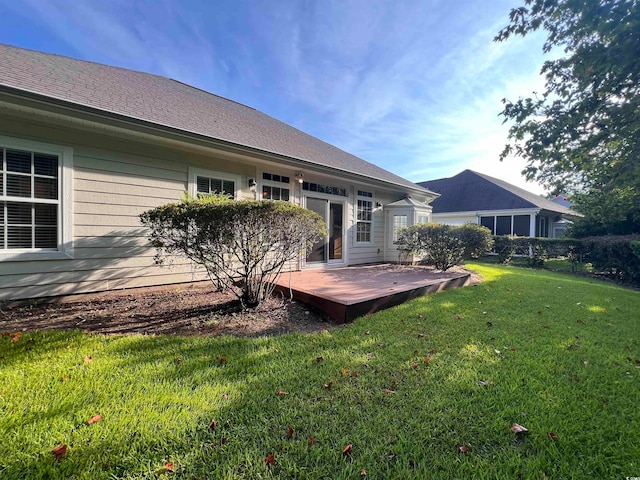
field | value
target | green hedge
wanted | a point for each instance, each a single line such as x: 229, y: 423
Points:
x: 618, y: 256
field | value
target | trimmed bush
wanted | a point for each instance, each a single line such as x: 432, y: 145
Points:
x: 477, y: 240
x: 243, y: 245
x: 616, y: 255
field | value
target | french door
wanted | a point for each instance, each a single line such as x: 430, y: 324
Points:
x: 328, y: 249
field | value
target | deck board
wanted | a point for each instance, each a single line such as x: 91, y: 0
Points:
x: 349, y: 292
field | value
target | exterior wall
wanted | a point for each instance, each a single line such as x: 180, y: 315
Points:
x: 114, y: 179
x: 113, y: 182
x: 449, y: 219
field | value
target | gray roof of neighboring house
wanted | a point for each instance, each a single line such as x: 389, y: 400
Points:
x: 170, y: 103
x: 473, y: 191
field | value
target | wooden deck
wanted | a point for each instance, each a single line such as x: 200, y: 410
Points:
x: 350, y: 292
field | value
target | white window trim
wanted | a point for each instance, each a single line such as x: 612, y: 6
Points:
x: 201, y: 172
x: 65, y: 212
x: 373, y: 206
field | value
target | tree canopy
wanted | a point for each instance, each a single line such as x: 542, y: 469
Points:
x: 582, y: 134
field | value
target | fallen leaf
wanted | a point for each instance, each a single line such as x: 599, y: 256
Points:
x: 223, y: 360
x: 463, y: 448
x: 432, y: 351
x: 516, y: 428
x: 355, y: 373
x: 319, y: 359
x: 420, y: 335
x: 270, y: 459
x: 585, y: 362
x: 16, y: 337
x: 415, y: 366
x: 223, y: 440
x: 59, y: 452
x: 552, y: 436
x: 8, y: 334
x: 347, y: 450
x: 367, y: 332
x: 225, y: 397
x: 328, y: 385
x: 393, y: 384
x: 213, y: 424
x: 168, y: 466
x: 312, y: 441
x: 64, y: 379
x: 282, y: 393
x: 458, y: 317
x: 426, y: 360
x: 88, y: 359
x: 420, y: 315
x: 94, y: 419
x: 381, y: 345
x: 345, y: 371
x: 363, y: 473
x: 386, y: 390
x: 290, y: 432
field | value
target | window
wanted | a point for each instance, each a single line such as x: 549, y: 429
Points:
x: 331, y: 190
x: 364, y: 217
x: 209, y: 185
x: 399, y: 222
x: 503, y: 225
x: 488, y: 222
x: 272, y: 188
x: 422, y: 218
x: 31, y: 200
x: 205, y: 182
x: 521, y: 225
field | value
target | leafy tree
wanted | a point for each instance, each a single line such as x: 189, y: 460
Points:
x: 243, y: 245
x: 581, y: 135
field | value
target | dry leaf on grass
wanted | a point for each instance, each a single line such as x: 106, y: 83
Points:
x: 94, y: 419
x: 516, y: 428
x: 270, y: 459
x: 347, y: 450
x: 59, y: 452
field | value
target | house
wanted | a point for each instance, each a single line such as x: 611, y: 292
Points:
x: 472, y: 197
x: 87, y: 147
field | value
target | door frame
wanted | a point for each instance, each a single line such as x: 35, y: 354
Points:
x: 345, y: 205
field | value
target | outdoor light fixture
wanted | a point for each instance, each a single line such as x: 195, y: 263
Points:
x: 252, y: 184
x: 300, y: 177
x: 378, y: 205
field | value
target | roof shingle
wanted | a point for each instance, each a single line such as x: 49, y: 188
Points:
x: 170, y: 103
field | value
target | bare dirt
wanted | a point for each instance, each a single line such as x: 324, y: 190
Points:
x: 187, y: 309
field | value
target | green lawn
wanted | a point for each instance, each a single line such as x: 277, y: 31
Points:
x: 551, y: 352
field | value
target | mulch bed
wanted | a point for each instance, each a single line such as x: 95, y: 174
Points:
x: 186, y: 309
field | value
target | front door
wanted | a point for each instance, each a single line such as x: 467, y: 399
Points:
x: 328, y: 249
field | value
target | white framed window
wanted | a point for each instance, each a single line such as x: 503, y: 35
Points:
x: 205, y: 182
x: 399, y: 222
x: 364, y: 217
x: 35, y: 200
x: 275, y: 187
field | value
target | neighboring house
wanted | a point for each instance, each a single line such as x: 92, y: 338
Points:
x: 472, y: 197
x: 85, y: 148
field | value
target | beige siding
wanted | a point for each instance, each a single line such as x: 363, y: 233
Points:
x: 113, y: 182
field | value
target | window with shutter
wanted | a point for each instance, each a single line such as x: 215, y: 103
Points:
x: 29, y: 199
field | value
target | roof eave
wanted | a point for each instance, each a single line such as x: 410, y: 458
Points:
x: 163, y: 129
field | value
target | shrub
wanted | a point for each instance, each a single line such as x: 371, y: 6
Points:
x: 477, y: 240
x: 434, y: 242
x: 617, y: 255
x: 243, y: 245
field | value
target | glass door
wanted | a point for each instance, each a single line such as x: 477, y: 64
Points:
x: 328, y: 249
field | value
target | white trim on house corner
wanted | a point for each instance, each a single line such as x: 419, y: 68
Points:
x: 65, y: 201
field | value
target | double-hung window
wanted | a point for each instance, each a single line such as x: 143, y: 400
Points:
x: 33, y: 219
x: 364, y: 216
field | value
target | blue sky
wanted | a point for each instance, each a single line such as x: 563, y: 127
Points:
x: 414, y: 86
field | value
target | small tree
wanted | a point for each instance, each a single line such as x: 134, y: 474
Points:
x: 243, y: 245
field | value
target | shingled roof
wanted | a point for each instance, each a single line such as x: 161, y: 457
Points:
x: 472, y: 191
x: 170, y: 103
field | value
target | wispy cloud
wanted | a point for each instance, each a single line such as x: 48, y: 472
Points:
x: 414, y: 87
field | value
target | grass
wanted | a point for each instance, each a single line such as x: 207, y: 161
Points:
x: 551, y: 352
